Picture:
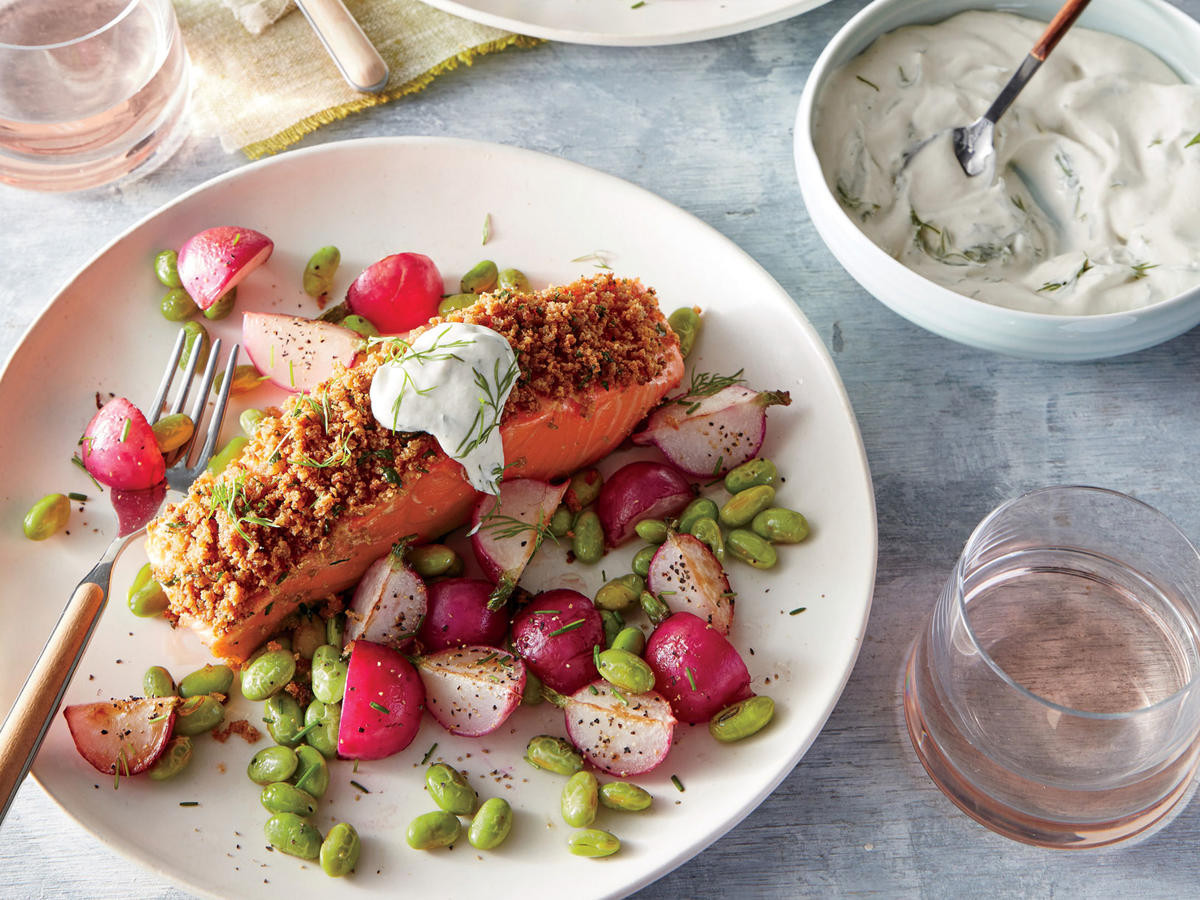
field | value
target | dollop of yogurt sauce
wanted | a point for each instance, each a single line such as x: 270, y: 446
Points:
x: 1093, y: 205
x: 451, y: 382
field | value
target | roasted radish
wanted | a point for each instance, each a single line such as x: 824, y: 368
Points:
x: 122, y: 737
x: 472, y: 690
x: 507, y: 530
x: 556, y: 634
x: 686, y: 575
x: 297, y: 354
x: 459, y: 614
x: 118, y: 448
x: 214, y: 262
x: 640, y: 490
x: 619, y: 733
x: 397, y: 293
x: 389, y: 603
x: 381, y: 708
x: 695, y: 668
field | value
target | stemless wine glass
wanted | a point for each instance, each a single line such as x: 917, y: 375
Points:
x: 1054, y: 692
x: 90, y: 90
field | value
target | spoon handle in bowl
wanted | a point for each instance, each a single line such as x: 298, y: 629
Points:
x: 1059, y: 25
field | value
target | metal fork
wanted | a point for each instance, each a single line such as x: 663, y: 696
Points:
x: 35, y: 707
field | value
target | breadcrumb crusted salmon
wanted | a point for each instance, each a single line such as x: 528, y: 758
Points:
x: 322, y: 489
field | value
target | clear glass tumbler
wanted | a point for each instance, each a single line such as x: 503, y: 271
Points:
x: 90, y: 90
x: 1054, y: 692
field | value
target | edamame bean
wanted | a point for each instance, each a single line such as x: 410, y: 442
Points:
x: 553, y: 754
x: 335, y: 630
x: 742, y: 719
x: 172, y: 431
x: 620, y: 593
x: 166, y: 268
x: 157, y: 682
x: 584, y: 489
x: 363, y: 326
x: 281, y: 797
x: 312, y: 772
x: 708, y: 532
x: 750, y: 474
x: 227, y: 454
x: 173, y: 760
x: 456, y: 302
x: 450, y: 789
x: 208, y: 680
x: 593, y: 843
x: 740, y: 509
x: 431, y: 560
x: 685, y: 322
x: 625, y: 796
x: 580, y: 797
x: 328, y: 674
x: 272, y: 764
x: 641, y: 560
x: 625, y: 670
x: 340, y: 850
x: 512, y: 280
x: 249, y: 420
x: 177, y: 305
x: 588, y: 542
x: 612, y: 622
x: 561, y: 522
x: 319, y: 271
x: 196, y: 715
x: 284, y: 718
x: 700, y: 508
x: 751, y: 548
x: 326, y: 719
x: 290, y: 834
x: 532, y: 695
x: 433, y: 830
x: 149, y: 599
x: 47, y: 517
x: 491, y: 824
x: 652, y: 530
x: 656, y: 611
x: 196, y: 334
x: 307, y: 635
x: 223, y: 307
x: 481, y: 277
x: 268, y: 674
x: 631, y: 640
x: 245, y: 379
x: 780, y: 525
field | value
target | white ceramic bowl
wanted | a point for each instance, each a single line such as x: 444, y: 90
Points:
x: 1171, y: 34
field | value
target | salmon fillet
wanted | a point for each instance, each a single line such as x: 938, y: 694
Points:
x: 322, y: 489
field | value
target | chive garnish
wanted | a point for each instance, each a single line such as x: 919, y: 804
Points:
x: 360, y: 787
x: 428, y: 753
x: 870, y: 84
x: 690, y: 677
x: 1195, y: 140
x: 546, y: 612
x: 76, y: 461
x: 571, y: 626
x: 797, y: 610
x: 299, y: 736
x: 379, y: 707
x: 678, y: 784
x: 189, y: 802
x: 77, y: 497
x: 620, y: 696
x: 487, y: 228
x: 592, y: 688
x: 639, y: 4
x: 125, y: 430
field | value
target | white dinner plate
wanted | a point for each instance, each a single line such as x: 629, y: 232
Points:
x: 103, y: 334
x: 624, y: 23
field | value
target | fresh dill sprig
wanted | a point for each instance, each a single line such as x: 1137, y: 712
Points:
x: 599, y: 258
x: 227, y: 496
x: 1139, y: 270
x: 706, y: 384
x: 340, y: 455
x: 503, y: 527
x: 491, y: 405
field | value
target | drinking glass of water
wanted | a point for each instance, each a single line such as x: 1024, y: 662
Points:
x: 1054, y: 692
x: 91, y: 91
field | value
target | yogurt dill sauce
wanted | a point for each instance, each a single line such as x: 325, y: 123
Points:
x: 1094, y: 202
x: 451, y: 382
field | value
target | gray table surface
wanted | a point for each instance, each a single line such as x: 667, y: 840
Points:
x: 949, y: 431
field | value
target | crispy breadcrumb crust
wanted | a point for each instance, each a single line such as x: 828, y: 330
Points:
x: 324, y: 456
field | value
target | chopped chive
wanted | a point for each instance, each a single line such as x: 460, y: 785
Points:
x: 620, y: 696
x: 360, y: 787
x: 596, y: 655
x: 487, y: 659
x: 189, y: 802
x: 292, y: 372
x: 678, y: 784
x: 77, y: 497
x: 690, y: 677
x: 639, y: 4
x: 797, y: 610
x: 592, y: 688
x: 546, y: 612
x: 867, y: 83
x: 487, y: 228
x: 1195, y: 140
x: 303, y: 732
x: 379, y: 707
x: 428, y: 753
x: 571, y: 626
x: 125, y: 429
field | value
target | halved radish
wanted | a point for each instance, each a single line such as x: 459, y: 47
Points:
x: 472, y: 690
x: 555, y: 634
x: 458, y: 614
x: 695, y: 668
x: 711, y: 435
x: 122, y: 737
x: 689, y: 578
x: 381, y: 708
x: 640, y: 490
x: 119, y: 449
x: 622, y: 734
x: 389, y: 603
x: 507, y: 530
x: 214, y: 262
x: 294, y: 353
x: 397, y: 293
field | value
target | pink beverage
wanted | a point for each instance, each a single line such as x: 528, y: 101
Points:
x: 90, y: 91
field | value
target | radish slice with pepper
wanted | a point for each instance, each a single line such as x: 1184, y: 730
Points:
x: 389, y: 603
x: 118, y: 448
x: 381, y: 708
x: 507, y: 530
x: 472, y: 691
x: 689, y: 578
x: 695, y: 668
x: 556, y: 633
x: 621, y: 734
x: 297, y: 354
x: 122, y: 737
x: 215, y: 261
x: 640, y: 490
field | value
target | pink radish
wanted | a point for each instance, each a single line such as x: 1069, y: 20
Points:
x: 119, y: 449
x: 695, y: 668
x: 389, y: 603
x: 472, y: 690
x: 621, y: 734
x: 711, y: 435
x: 214, y: 262
x: 555, y: 634
x: 122, y: 737
x: 398, y: 293
x: 640, y: 490
x: 458, y: 614
x: 508, y: 529
x: 297, y: 354
x: 381, y: 709
x: 689, y: 578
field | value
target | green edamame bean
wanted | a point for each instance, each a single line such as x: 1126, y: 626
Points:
x: 245, y: 379
x: 491, y: 824
x: 433, y: 830
x: 272, y: 764
x: 196, y: 715
x: 742, y: 507
x: 149, y: 599
x: 308, y: 635
x: 561, y: 522
x: 624, y: 796
x: 613, y: 622
x: 208, y: 680
x: 335, y: 630
x: 553, y: 754
x: 685, y: 322
x: 249, y: 420
x: 620, y: 593
x: 641, y: 560
x: 326, y: 719
x: 654, y: 608
x: 450, y: 789
x: 532, y: 695
x: 363, y: 326
x: 431, y: 560
x: 319, y: 271
x: 290, y: 834
x: 166, y: 268
x: 223, y: 307
x: 281, y: 797
x: 700, y: 508
x: 312, y: 772
x: 267, y: 674
x: 742, y: 719
x: 47, y: 517
x: 780, y: 525
x: 227, y: 454
x: 157, y: 682
x: 751, y: 473
x: 177, y: 305
x: 625, y: 670
x: 455, y: 302
x: 328, y: 674
x: 580, y: 797
x: 708, y: 532
x: 751, y: 548
x: 173, y: 760
x: 340, y: 850
x: 172, y: 431
x: 481, y: 277
x: 631, y: 640
x: 593, y: 843
x: 652, y: 530
x: 584, y: 489
x: 284, y: 718
x: 512, y: 280
x: 197, y: 334
x: 588, y: 542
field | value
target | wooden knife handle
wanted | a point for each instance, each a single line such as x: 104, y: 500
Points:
x: 1062, y: 21
x: 355, y: 55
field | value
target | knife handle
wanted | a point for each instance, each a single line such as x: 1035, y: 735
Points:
x: 355, y: 55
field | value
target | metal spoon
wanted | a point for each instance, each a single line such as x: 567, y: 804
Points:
x: 973, y: 143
